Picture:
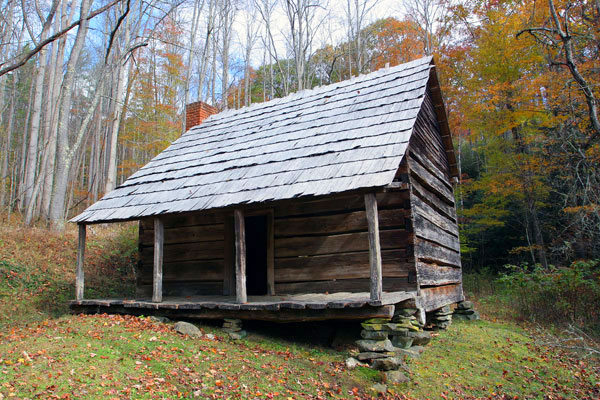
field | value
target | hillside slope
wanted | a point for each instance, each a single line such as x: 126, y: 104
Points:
x: 47, y: 353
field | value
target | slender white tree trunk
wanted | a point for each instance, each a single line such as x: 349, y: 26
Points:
x: 64, y: 153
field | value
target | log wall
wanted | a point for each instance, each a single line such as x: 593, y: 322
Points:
x: 437, y: 246
x: 194, y: 255
x: 322, y: 246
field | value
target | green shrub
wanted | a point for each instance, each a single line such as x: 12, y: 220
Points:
x: 557, y: 295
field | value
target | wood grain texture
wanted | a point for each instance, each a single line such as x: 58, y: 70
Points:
x: 240, y: 256
x: 187, y: 234
x: 395, y: 264
x: 79, y: 274
x: 359, y: 241
x: 432, y: 200
x: 431, y: 182
x: 337, y: 223
x: 374, y: 246
x: 440, y: 220
x: 433, y: 298
x: 425, y: 229
x: 283, y: 315
x: 157, y: 291
x: 343, y: 285
x: 336, y: 203
x: 434, y: 275
x: 434, y: 253
x: 187, y: 252
x: 207, y: 270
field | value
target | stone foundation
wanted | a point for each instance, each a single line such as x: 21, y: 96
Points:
x: 233, y: 327
x: 385, y: 343
x: 440, y: 318
x: 464, y: 311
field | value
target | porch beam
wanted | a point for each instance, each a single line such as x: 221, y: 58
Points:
x: 240, y: 257
x: 374, y: 246
x: 159, y: 240
x: 79, y: 275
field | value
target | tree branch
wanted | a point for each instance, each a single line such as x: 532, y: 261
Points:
x: 25, y: 57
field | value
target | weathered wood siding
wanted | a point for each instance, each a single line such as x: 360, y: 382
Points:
x: 194, y: 255
x: 322, y: 246
x: 319, y: 246
x: 437, y: 247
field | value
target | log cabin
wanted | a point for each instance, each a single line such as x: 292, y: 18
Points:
x: 330, y: 203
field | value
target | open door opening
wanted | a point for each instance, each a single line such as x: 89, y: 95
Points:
x: 256, y: 255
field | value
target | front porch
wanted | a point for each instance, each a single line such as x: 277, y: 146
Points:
x: 283, y: 308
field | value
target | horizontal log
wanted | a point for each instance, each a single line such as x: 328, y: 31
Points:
x: 431, y: 182
x: 433, y: 200
x: 430, y: 252
x: 186, y: 234
x: 443, y: 175
x: 315, y: 245
x: 423, y: 228
x: 343, y: 285
x: 200, y: 270
x: 185, y: 252
x: 340, y: 266
x: 186, y: 219
x: 440, y: 220
x: 427, y: 142
x: 284, y: 315
x: 434, y: 298
x: 435, y: 275
x: 338, y: 203
x: 337, y: 223
x: 183, y: 289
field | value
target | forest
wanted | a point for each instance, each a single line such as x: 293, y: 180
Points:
x: 90, y: 91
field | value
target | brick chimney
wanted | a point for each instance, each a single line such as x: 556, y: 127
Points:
x: 197, y: 112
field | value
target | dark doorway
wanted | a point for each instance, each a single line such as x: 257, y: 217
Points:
x: 256, y: 255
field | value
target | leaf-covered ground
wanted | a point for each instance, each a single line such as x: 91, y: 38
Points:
x: 46, y: 353
x: 128, y: 357
x: 118, y: 357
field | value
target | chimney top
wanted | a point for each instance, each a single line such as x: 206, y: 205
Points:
x: 196, y: 113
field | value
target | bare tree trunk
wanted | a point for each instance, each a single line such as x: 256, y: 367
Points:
x: 227, y: 17
x: 111, y: 175
x: 64, y: 153
x: 198, y: 6
x: 53, y: 124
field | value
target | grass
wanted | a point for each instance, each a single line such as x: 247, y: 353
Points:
x: 37, y: 269
x: 46, y: 353
x: 492, y: 359
x: 94, y: 357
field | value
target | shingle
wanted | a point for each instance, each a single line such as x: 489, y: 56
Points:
x: 335, y: 138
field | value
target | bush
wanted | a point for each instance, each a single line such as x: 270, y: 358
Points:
x: 557, y: 295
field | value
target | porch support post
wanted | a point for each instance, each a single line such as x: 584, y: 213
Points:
x: 159, y: 240
x: 240, y: 257
x: 79, y: 276
x: 374, y: 246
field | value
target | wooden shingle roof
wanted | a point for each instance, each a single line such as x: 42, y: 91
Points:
x: 345, y: 136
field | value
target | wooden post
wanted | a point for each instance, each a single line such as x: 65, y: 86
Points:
x: 159, y: 239
x: 240, y: 257
x: 79, y: 277
x: 374, y: 246
x: 270, y: 254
